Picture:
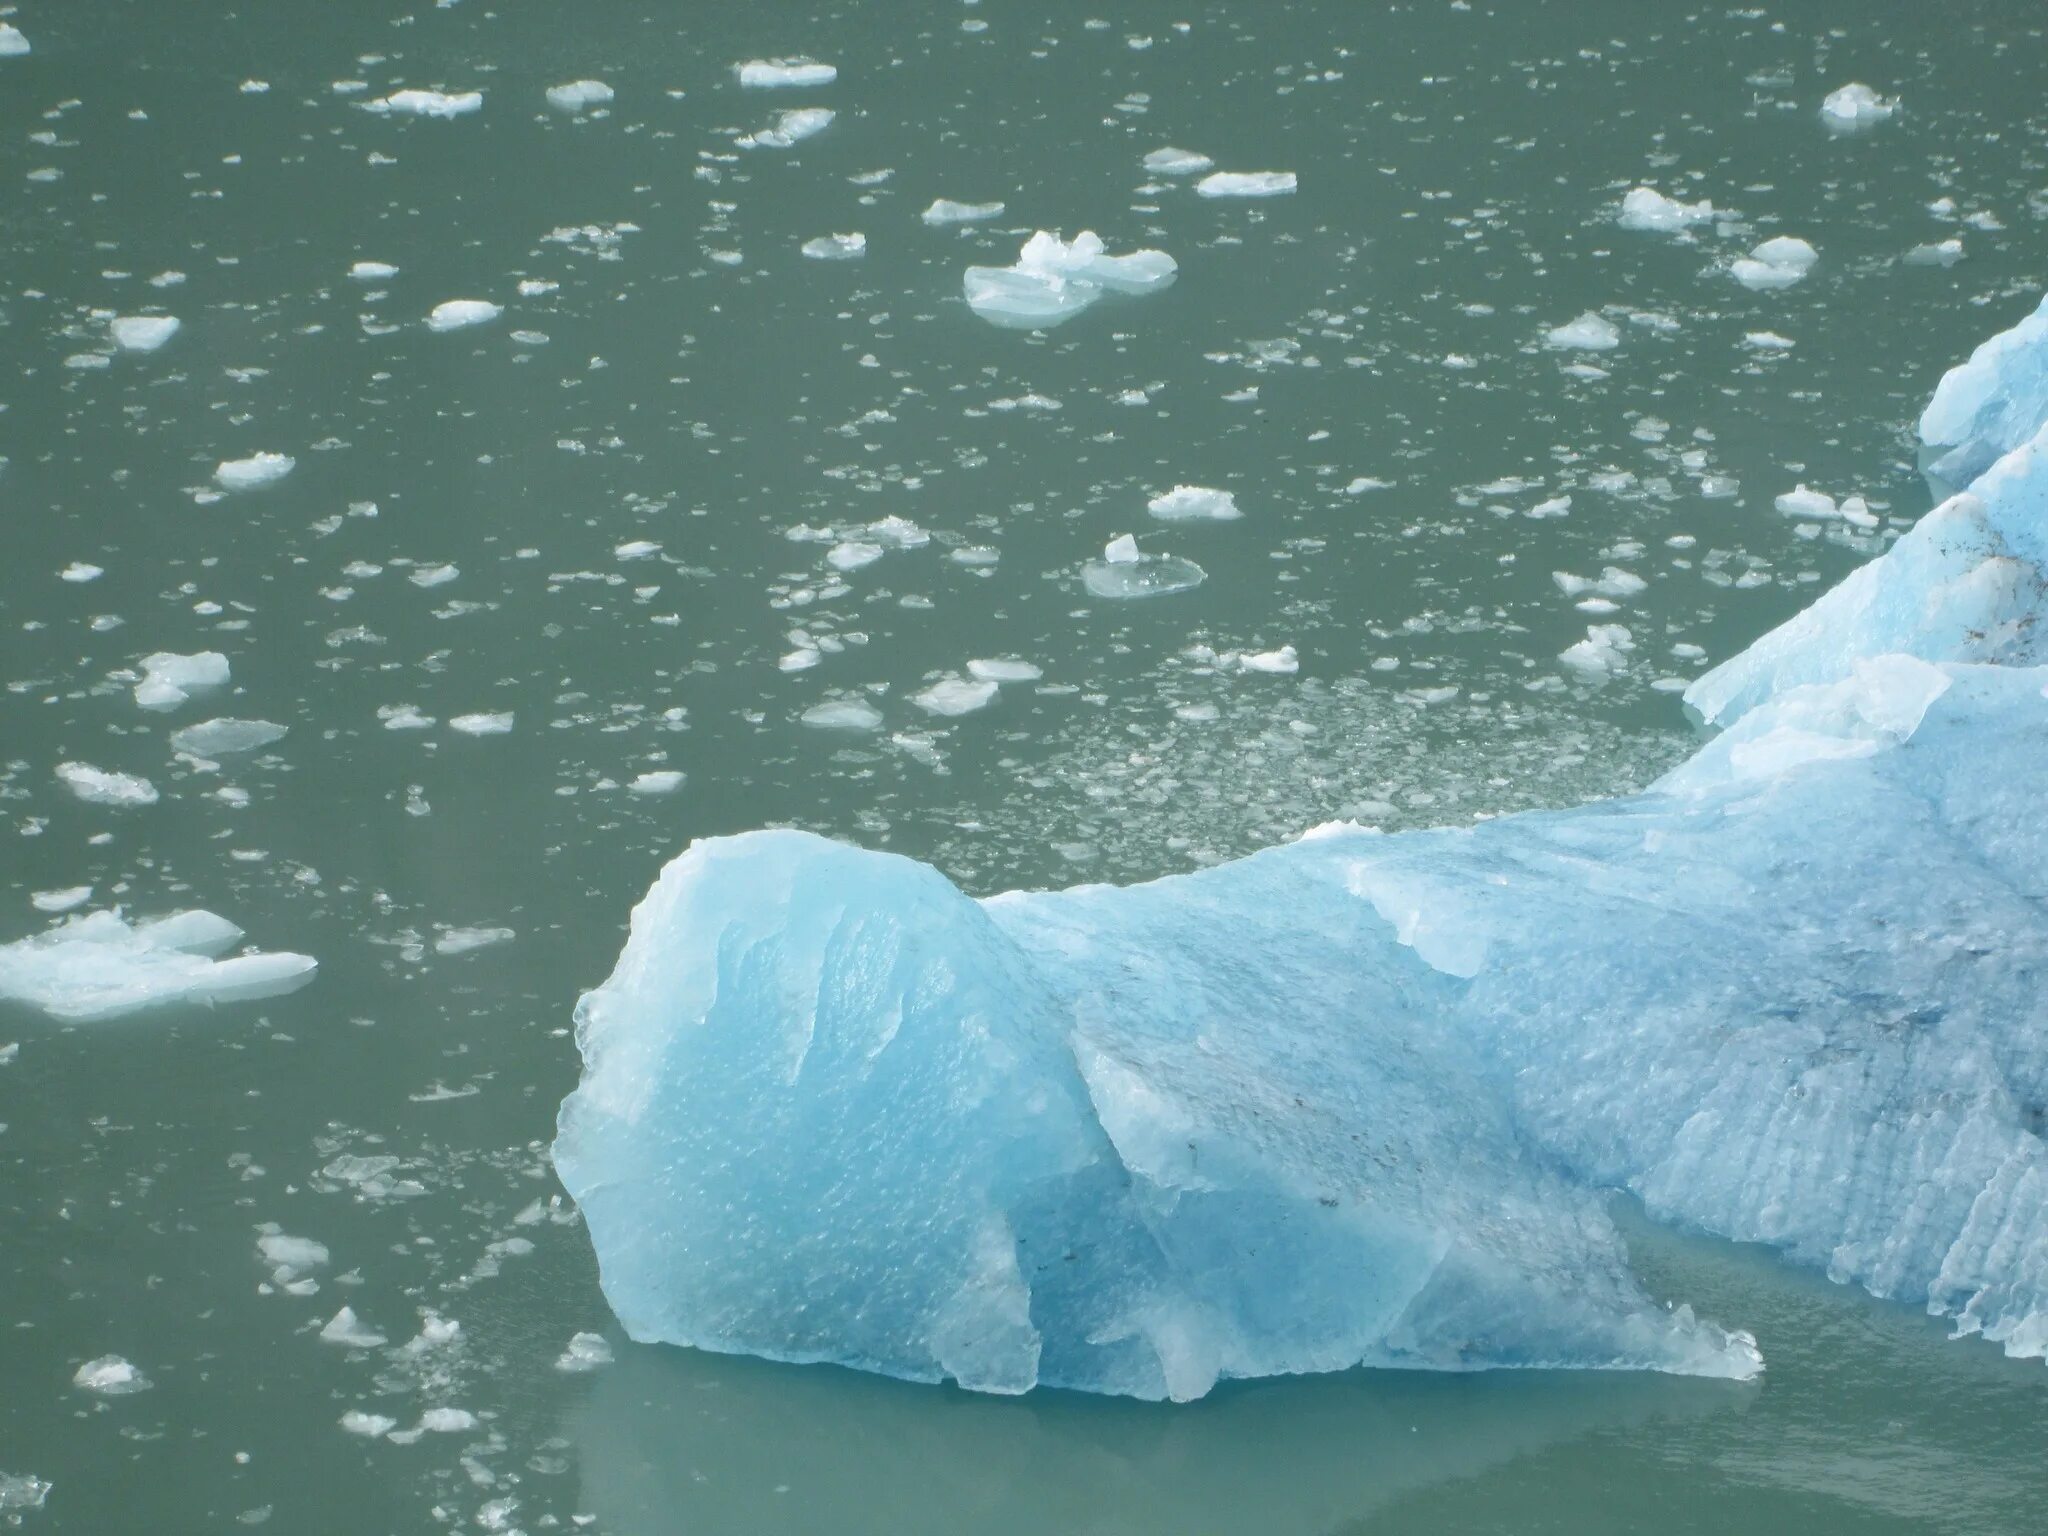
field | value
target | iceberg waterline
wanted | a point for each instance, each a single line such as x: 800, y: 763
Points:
x: 1357, y: 1099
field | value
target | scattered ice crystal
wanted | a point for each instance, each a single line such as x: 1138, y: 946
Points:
x: 454, y: 314
x: 142, y: 333
x: 101, y: 966
x: 771, y: 73
x: 1053, y: 280
x: 1245, y: 183
x: 259, y: 469
x: 1193, y: 503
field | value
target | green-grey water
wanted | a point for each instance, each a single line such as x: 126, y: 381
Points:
x: 464, y: 534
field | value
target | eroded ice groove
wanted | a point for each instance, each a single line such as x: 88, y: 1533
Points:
x: 1355, y: 1098
x: 101, y: 966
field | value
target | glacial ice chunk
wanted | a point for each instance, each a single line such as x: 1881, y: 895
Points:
x: 142, y: 333
x: 1193, y: 503
x: 169, y: 679
x: 13, y: 43
x: 955, y: 696
x: 101, y: 966
x: 945, y: 211
x: 20, y: 1490
x: 254, y: 472
x: 836, y: 247
x: 110, y: 1376
x: 1246, y: 184
x: 455, y: 314
x: 417, y: 103
x: 1988, y: 406
x: 1777, y: 263
x: 580, y: 95
x: 1125, y: 572
x: 783, y: 73
x: 224, y: 737
x: 1856, y: 105
x: 98, y: 786
x: 1053, y: 280
x: 1177, y: 162
x: 1646, y: 208
x: 1354, y: 1099
x: 1591, y: 332
x: 791, y: 127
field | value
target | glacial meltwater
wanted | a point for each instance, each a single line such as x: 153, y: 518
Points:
x: 456, y: 455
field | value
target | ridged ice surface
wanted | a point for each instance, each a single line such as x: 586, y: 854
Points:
x: 1355, y: 1099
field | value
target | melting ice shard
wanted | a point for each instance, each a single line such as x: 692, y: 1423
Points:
x: 1356, y: 1099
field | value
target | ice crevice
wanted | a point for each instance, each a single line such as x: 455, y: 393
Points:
x: 1362, y: 1098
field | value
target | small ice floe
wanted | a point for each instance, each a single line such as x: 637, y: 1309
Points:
x: 662, y: 781
x: 101, y: 966
x: 1246, y: 184
x: 1053, y: 280
x: 586, y: 1352
x: 368, y: 1425
x: 482, y: 724
x: 1194, y: 504
x: 852, y: 554
x: 1766, y: 341
x: 415, y: 103
x: 836, y: 247
x: 98, y: 786
x: 259, y: 469
x: 791, y: 127
x: 1612, y: 582
x: 20, y: 1490
x: 1856, y: 106
x: 1591, y: 332
x: 433, y: 575
x: 1939, y: 253
x: 1777, y: 263
x: 110, y: 1376
x: 1176, y: 162
x: 142, y: 333
x: 351, y: 1332
x: 636, y: 549
x: 579, y: 95
x: 772, y: 74
x: 945, y: 211
x: 1602, y: 653
x: 404, y: 717
x: 1801, y: 502
x: 224, y: 737
x: 460, y: 941
x: 13, y: 44
x: 72, y: 896
x: 842, y: 715
x: 1364, y: 483
x: 1648, y: 209
x: 79, y: 572
x: 169, y: 679
x: 1123, y: 571
x: 1005, y: 669
x: 372, y: 271
x: 455, y: 314
x: 954, y: 696
x: 1282, y: 662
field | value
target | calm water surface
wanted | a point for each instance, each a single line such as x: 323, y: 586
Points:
x: 466, y: 532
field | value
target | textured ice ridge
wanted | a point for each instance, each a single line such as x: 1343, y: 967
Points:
x: 1359, y: 1098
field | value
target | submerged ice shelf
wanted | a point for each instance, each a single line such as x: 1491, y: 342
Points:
x: 1358, y: 1098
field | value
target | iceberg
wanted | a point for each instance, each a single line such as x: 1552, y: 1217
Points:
x: 1053, y: 280
x: 1988, y: 406
x: 1360, y: 1098
x: 101, y: 966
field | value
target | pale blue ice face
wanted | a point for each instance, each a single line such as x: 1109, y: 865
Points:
x: 1356, y: 1099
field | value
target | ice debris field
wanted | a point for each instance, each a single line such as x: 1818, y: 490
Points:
x: 1355, y: 1099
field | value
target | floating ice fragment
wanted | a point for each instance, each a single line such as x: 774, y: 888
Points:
x: 945, y: 211
x: 1602, y: 653
x: 259, y: 469
x: 1284, y: 660
x: 460, y: 941
x: 169, y: 679
x: 369, y: 1425
x: 836, y: 247
x: 1940, y: 253
x: 448, y: 1421
x: 97, y: 786
x: 852, y: 554
x: 1005, y: 669
x: 110, y: 1376
x: 842, y: 715
x: 403, y: 717
x: 586, y: 1352
x: 454, y: 314
x: 1193, y: 503
x: 1767, y: 341
x: 1647, y: 209
x: 61, y: 901
x: 1124, y: 572
x: 1856, y: 105
x: 19, y: 1490
x: 482, y: 724
x: 100, y: 966
x: 351, y: 1332
x: 1246, y: 184
x: 415, y: 103
x: 662, y: 781
x: 1176, y: 162
x: 12, y: 45
x: 637, y: 549
x: 1589, y: 333
x: 954, y: 696
x: 1053, y: 280
x: 221, y: 738
x: 79, y: 572
x: 579, y: 95
x: 791, y: 127
x: 1801, y: 502
x: 774, y: 73
x: 432, y: 575
x: 372, y: 271
x: 1777, y: 263
x: 142, y: 333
